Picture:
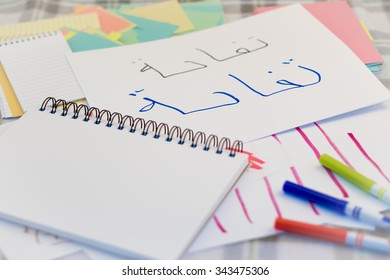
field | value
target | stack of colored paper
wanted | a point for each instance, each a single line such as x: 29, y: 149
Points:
x: 93, y: 27
x: 308, y: 77
x: 339, y: 18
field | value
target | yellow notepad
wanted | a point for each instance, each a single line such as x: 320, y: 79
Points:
x: 9, y: 103
x: 10, y: 106
x: 24, y: 29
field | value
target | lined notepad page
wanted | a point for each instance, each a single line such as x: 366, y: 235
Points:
x: 9, y: 103
x: 37, y: 67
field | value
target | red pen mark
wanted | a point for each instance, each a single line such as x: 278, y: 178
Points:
x: 255, y: 162
x: 252, y: 159
x: 219, y: 225
x: 366, y: 155
x: 317, y: 154
x: 243, y: 206
x: 271, y: 195
x: 333, y: 145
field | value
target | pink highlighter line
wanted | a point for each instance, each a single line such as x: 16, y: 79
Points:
x: 271, y: 195
x: 363, y: 151
x: 317, y: 154
x: 276, y: 138
x: 219, y: 225
x: 308, y: 142
x: 299, y: 181
x: 297, y: 177
x: 331, y: 143
x: 242, y: 203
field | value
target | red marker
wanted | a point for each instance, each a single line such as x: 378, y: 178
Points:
x: 343, y: 236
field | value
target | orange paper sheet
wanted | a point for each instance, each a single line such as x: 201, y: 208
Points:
x: 109, y: 22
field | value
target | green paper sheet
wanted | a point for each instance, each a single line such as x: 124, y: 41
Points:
x: 149, y: 30
x: 83, y: 41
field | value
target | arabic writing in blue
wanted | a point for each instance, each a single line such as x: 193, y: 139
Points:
x: 153, y: 102
x: 315, y: 78
x: 290, y: 85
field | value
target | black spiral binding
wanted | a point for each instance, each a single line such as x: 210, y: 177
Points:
x: 9, y: 41
x: 145, y: 127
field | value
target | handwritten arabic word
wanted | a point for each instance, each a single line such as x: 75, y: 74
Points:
x: 259, y: 44
x: 239, y: 51
x: 313, y: 75
x: 153, y: 102
x: 283, y: 82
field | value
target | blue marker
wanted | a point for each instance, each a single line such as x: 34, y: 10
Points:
x: 340, y: 206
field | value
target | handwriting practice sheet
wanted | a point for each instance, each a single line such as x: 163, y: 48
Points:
x: 248, y: 212
x: 359, y: 140
x: 244, y: 80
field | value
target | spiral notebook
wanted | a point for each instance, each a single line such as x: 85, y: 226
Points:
x: 122, y: 184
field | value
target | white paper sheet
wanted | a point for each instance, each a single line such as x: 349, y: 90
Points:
x: 359, y: 139
x: 245, y: 80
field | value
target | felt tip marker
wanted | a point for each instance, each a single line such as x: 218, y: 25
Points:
x: 340, y: 206
x: 343, y: 236
x: 364, y: 183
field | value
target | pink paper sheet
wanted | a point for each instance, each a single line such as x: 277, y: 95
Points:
x: 341, y: 20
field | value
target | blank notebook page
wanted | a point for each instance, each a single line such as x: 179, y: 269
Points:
x: 124, y: 192
x: 37, y: 67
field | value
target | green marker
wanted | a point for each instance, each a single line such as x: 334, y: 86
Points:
x: 364, y: 183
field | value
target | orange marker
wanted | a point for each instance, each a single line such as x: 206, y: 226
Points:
x: 343, y: 236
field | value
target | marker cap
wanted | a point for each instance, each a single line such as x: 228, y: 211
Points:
x: 347, y: 172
